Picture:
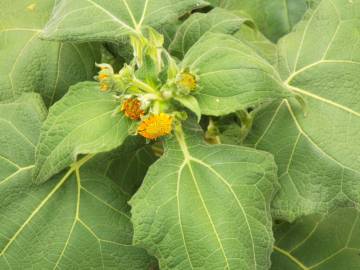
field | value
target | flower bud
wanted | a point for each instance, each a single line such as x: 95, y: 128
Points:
x: 105, y: 77
x: 186, y: 81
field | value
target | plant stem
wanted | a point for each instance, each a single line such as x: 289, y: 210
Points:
x: 144, y: 86
x: 180, y: 137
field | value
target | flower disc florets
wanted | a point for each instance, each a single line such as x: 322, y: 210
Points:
x: 131, y: 107
x: 156, y: 126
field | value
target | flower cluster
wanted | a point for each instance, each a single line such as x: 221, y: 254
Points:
x: 151, y: 101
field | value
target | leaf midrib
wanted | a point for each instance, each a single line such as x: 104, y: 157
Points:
x: 302, y: 265
x: 16, y: 60
x: 187, y: 161
x: 74, y: 169
x: 77, y: 218
x: 325, y: 100
x: 296, y: 71
x: 21, y: 169
x: 136, y: 25
x: 304, y: 34
x: 36, y: 210
x: 300, y: 129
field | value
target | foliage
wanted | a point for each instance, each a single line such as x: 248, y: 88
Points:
x: 166, y: 134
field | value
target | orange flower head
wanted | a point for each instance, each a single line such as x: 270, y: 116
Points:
x: 156, y: 126
x: 132, y: 108
x: 187, y: 80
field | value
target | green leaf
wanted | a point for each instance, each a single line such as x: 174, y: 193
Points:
x: 191, y: 103
x: 29, y: 64
x: 19, y: 124
x: 82, y: 122
x: 90, y: 20
x: 233, y: 128
x: 206, y: 206
x: 218, y: 21
x: 319, y: 242
x: 256, y: 40
x: 130, y: 174
x: 79, y: 220
x: 169, y: 31
x: 317, y: 150
x: 275, y: 18
x: 232, y: 75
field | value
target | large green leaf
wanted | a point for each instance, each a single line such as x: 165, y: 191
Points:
x: 82, y: 122
x: 255, y: 39
x: 275, y: 18
x: 29, y: 64
x: 317, y: 147
x: 319, y: 242
x: 110, y: 20
x: 218, y: 20
x: 79, y: 220
x: 138, y: 156
x: 206, y: 207
x: 232, y: 75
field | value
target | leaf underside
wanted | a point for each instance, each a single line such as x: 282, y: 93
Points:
x: 274, y: 18
x: 29, y: 64
x: 317, y: 147
x: 93, y: 20
x: 319, y: 242
x: 83, y: 122
x: 206, y: 207
x: 79, y: 219
x: 201, y: 206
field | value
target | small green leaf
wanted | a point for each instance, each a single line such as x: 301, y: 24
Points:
x: 82, y: 122
x: 28, y: 64
x: 217, y: 21
x: 317, y: 150
x: 275, y: 18
x: 90, y: 20
x: 232, y: 75
x: 206, y: 206
x: 319, y: 242
x: 79, y: 220
x: 191, y: 103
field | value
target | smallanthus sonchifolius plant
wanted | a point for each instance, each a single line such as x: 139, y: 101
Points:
x: 180, y: 134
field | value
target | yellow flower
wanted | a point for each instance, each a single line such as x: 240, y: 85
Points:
x: 187, y: 81
x: 132, y: 108
x: 156, y: 126
x: 105, y: 77
x: 104, y: 87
